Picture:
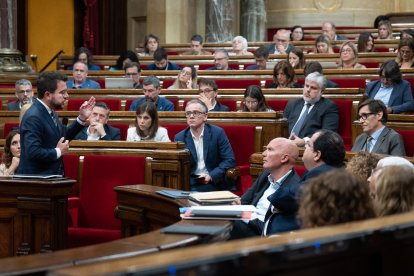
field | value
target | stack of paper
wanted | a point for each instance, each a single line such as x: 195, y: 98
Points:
x: 220, y: 212
x: 213, y: 198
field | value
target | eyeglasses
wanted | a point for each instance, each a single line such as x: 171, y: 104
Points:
x: 185, y: 73
x: 205, y: 91
x: 28, y: 91
x: 347, y: 50
x: 364, y: 116
x: 194, y: 113
x: 218, y: 59
x: 131, y: 74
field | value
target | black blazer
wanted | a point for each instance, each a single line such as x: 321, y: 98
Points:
x: 324, y: 115
x: 112, y: 134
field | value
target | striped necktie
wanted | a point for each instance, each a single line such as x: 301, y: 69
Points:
x: 298, y: 126
x: 368, y: 144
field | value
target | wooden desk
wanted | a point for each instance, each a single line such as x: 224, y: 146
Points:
x: 33, y: 215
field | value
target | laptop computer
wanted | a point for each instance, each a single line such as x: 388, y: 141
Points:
x: 119, y: 83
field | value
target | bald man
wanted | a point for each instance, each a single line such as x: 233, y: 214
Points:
x: 281, y: 43
x: 278, y: 161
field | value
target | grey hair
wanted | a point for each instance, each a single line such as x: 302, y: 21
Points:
x: 152, y: 80
x: 224, y: 51
x: 243, y: 40
x: 22, y: 82
x: 197, y: 101
x: 317, y: 77
x: 394, y: 161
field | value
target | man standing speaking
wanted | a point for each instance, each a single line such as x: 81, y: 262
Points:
x: 42, y: 135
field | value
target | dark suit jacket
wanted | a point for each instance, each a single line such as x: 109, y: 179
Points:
x: 389, y: 142
x: 339, y: 37
x: 13, y: 106
x: 252, y: 197
x: 324, y: 115
x: 401, y: 99
x: 272, y: 48
x: 220, y: 107
x: 285, y: 201
x: 112, y: 134
x: 218, y: 154
x: 38, y: 138
x: 170, y: 66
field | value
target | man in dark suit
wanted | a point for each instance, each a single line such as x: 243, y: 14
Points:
x: 261, y: 55
x: 329, y: 29
x: 41, y: 133
x: 318, y: 112
x: 161, y: 61
x: 24, y: 95
x: 211, y: 152
x: 391, y: 89
x: 98, y: 128
x: 208, y: 92
x: 325, y: 151
x: 376, y: 136
x: 281, y: 43
x: 221, y: 60
x: 278, y: 162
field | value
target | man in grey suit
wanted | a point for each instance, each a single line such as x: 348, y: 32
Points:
x: 312, y: 112
x: 24, y: 95
x: 377, y: 137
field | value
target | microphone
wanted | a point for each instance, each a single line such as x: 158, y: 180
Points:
x: 64, y: 126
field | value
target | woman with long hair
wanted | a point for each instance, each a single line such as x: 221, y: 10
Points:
x: 348, y: 58
x: 11, y: 155
x: 186, y: 79
x: 254, y: 100
x: 284, y: 76
x: 366, y: 43
x: 146, y: 125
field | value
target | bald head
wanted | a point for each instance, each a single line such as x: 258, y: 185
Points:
x: 280, y: 156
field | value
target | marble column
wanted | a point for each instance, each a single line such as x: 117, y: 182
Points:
x: 8, y: 24
x: 253, y: 20
x: 221, y: 15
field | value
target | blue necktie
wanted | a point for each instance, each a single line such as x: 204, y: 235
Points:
x: 296, y: 129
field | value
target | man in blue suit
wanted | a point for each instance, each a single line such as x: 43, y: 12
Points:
x: 211, y: 152
x: 98, y: 128
x: 278, y: 161
x: 325, y: 151
x: 152, y: 88
x: 41, y: 133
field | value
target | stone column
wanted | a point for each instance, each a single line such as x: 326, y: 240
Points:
x: 220, y: 18
x: 253, y: 20
x: 8, y: 24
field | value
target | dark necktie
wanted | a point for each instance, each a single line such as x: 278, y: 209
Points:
x: 54, y: 117
x: 368, y: 144
x: 296, y: 129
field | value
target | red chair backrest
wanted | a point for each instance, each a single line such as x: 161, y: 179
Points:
x: 167, y: 83
x: 173, y: 129
x: 123, y: 127
x: 113, y: 104
x: 345, y: 121
x: 236, y: 83
x: 407, y: 135
x: 101, y: 173
x: 277, y: 105
x: 8, y: 127
x: 349, y: 83
x: 242, y: 142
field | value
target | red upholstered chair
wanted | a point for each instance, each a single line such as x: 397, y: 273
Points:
x: 350, y: 83
x: 408, y: 137
x: 277, y: 105
x: 113, y: 104
x: 231, y: 104
x: 300, y: 170
x: 123, y: 127
x: 92, y: 213
x: 236, y: 83
x: 128, y: 104
x: 167, y: 83
x: 71, y: 162
x: 173, y: 129
x: 345, y: 121
x: 1, y: 105
x: 8, y: 127
x: 243, y: 148
x: 371, y: 64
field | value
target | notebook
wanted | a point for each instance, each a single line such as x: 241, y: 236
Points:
x: 119, y: 83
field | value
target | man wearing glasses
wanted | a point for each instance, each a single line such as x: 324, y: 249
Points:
x: 133, y: 71
x: 24, y: 95
x: 221, y: 60
x: 376, y: 136
x: 211, y: 152
x: 208, y: 95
